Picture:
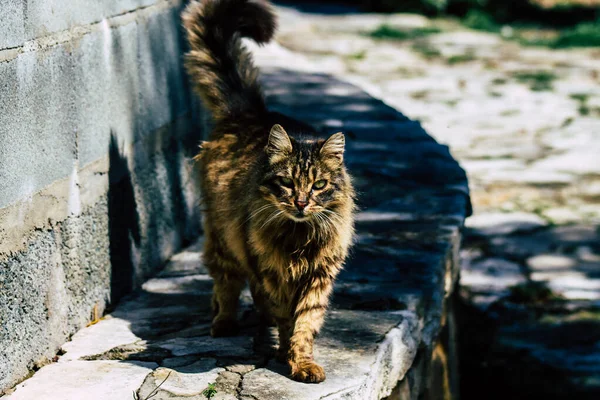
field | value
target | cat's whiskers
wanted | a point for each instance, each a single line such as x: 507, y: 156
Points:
x: 261, y: 209
x: 328, y: 219
x: 256, y: 213
x: 271, y: 218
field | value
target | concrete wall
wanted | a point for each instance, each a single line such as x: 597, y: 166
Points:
x: 97, y: 187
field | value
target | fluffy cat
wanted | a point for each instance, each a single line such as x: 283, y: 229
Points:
x: 278, y: 200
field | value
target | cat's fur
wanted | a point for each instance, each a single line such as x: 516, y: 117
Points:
x: 267, y: 219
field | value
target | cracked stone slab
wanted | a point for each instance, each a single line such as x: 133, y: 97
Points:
x: 187, y: 381
x: 90, y: 380
x: 107, y: 334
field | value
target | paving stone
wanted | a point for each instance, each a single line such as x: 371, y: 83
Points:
x: 562, y: 215
x: 491, y: 276
x: 550, y: 262
x: 499, y: 223
x: 185, y: 381
x: 580, y: 160
x: 587, y: 254
x: 93, y: 380
x: 107, y: 334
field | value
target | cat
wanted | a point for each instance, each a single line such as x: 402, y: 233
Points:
x: 278, y: 201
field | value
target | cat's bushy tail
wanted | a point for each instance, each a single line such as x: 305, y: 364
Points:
x: 222, y: 70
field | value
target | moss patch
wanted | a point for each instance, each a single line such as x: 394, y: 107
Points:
x: 583, y: 35
x: 359, y: 55
x: 390, y: 33
x: 426, y: 50
x: 461, y: 58
x: 538, y: 81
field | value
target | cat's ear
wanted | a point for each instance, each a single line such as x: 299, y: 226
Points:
x: 279, y: 146
x: 332, y: 150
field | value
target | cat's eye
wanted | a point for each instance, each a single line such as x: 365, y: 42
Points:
x: 320, y: 184
x: 285, y: 181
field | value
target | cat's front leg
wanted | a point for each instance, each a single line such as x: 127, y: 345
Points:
x: 306, y: 322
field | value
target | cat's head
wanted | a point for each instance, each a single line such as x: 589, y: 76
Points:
x: 306, y: 179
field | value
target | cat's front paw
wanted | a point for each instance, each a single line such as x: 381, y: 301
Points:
x: 307, y: 372
x: 224, y: 328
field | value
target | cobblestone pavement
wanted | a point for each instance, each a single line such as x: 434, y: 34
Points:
x: 525, y: 124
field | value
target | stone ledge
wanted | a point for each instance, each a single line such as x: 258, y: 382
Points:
x: 390, y: 303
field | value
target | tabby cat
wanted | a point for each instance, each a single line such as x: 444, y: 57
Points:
x: 278, y: 201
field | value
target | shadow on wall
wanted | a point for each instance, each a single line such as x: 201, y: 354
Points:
x: 123, y: 222
x: 153, y: 194
x: 152, y: 202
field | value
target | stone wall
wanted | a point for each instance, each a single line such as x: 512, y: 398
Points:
x: 96, y: 186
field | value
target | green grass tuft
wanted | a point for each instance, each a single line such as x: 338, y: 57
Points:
x: 359, y: 55
x: 538, y: 81
x: 426, y: 50
x: 481, y: 21
x: 391, y: 33
x: 580, y: 97
x: 586, y: 34
x: 460, y: 59
x: 210, y: 391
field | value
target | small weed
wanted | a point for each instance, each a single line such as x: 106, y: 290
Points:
x: 460, y: 59
x: 481, y: 21
x: 359, y: 55
x: 538, y: 80
x: 152, y: 393
x: 499, y: 81
x: 426, y: 51
x: 210, y: 391
x: 580, y: 97
x: 388, y: 32
x: 567, y: 122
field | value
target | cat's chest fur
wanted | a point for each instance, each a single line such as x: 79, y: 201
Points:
x: 294, y: 251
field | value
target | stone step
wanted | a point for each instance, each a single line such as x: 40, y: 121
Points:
x: 389, y: 320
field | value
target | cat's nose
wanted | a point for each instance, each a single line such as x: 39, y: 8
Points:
x: 301, y: 204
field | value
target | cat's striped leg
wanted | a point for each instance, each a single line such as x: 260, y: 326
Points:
x: 307, y: 320
x: 284, y: 326
x: 226, y: 292
x: 228, y: 283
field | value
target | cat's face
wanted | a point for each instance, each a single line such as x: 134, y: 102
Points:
x: 306, y: 180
